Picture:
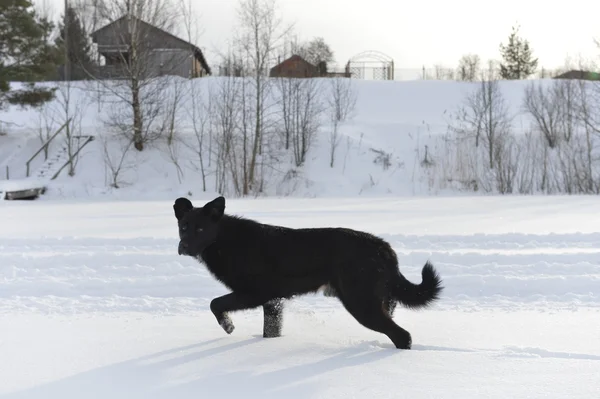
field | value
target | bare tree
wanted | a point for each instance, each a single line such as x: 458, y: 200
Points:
x: 140, y: 66
x: 492, y: 72
x: 165, y: 14
x: 557, y: 153
x: 71, y: 113
x: 170, y: 121
x: 590, y: 102
x: 442, y: 73
x: 261, y: 34
x: 228, y: 110
x: 301, y: 108
x: 64, y: 111
x: 571, y: 94
x: 46, y: 125
x: 438, y: 72
x: 342, y: 101
x: 557, y: 111
x: 232, y: 121
x: 179, y: 90
x: 468, y: 68
x: 553, y: 109
x: 506, y: 159
x: 481, y: 152
x: 315, y: 51
x: 587, y: 116
x: 484, y: 117
x: 116, y: 159
x: 199, y: 113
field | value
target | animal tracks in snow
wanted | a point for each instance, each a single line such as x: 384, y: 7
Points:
x: 506, y: 271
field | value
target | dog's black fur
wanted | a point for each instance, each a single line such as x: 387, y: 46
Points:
x: 264, y: 264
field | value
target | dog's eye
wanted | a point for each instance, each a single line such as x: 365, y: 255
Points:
x: 184, y: 227
x: 199, y: 230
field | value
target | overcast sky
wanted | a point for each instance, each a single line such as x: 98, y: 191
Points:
x: 418, y: 33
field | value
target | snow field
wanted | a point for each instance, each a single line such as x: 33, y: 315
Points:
x: 95, y: 303
x: 100, y: 275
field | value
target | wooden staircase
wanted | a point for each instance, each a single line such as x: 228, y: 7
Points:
x: 55, y: 164
x: 35, y: 183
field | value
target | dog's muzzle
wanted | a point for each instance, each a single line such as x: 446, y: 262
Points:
x: 182, y: 249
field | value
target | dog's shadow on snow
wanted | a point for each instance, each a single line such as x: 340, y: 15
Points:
x: 218, y: 368
x: 187, y: 372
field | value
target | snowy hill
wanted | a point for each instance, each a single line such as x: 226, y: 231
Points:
x: 380, y: 152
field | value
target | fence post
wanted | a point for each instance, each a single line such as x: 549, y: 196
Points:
x: 7, y: 173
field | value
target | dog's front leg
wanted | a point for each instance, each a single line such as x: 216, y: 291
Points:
x: 222, y: 305
x: 273, y: 318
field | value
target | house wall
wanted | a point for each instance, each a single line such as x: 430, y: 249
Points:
x: 197, y: 69
x: 169, y: 62
x: 172, y: 62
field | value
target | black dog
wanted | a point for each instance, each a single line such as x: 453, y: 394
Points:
x: 263, y: 264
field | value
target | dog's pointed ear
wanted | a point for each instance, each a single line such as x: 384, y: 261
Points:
x: 181, y: 207
x: 215, y: 208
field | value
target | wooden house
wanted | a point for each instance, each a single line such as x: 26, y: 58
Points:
x: 298, y: 67
x: 159, y: 53
x: 294, y: 67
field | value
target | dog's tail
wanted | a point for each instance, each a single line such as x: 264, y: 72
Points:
x: 415, y: 296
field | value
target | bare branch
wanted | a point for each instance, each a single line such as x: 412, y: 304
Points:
x: 300, y: 108
x: 342, y: 101
x: 116, y: 159
x: 484, y: 117
x: 468, y: 68
x: 261, y: 33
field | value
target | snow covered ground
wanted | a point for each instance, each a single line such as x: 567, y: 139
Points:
x: 95, y: 303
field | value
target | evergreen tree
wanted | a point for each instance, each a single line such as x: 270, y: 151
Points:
x: 80, y: 54
x: 518, y: 58
x: 25, y: 55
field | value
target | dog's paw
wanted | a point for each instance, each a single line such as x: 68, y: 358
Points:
x: 274, y: 333
x: 406, y: 343
x: 227, y: 324
x: 402, y: 340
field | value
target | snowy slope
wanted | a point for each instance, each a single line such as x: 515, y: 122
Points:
x: 95, y: 303
x: 397, y: 117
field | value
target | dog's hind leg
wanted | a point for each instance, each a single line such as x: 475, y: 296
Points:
x: 273, y: 318
x: 373, y: 313
x: 222, y: 305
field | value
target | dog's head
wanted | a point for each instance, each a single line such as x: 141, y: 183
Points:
x: 197, y: 226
